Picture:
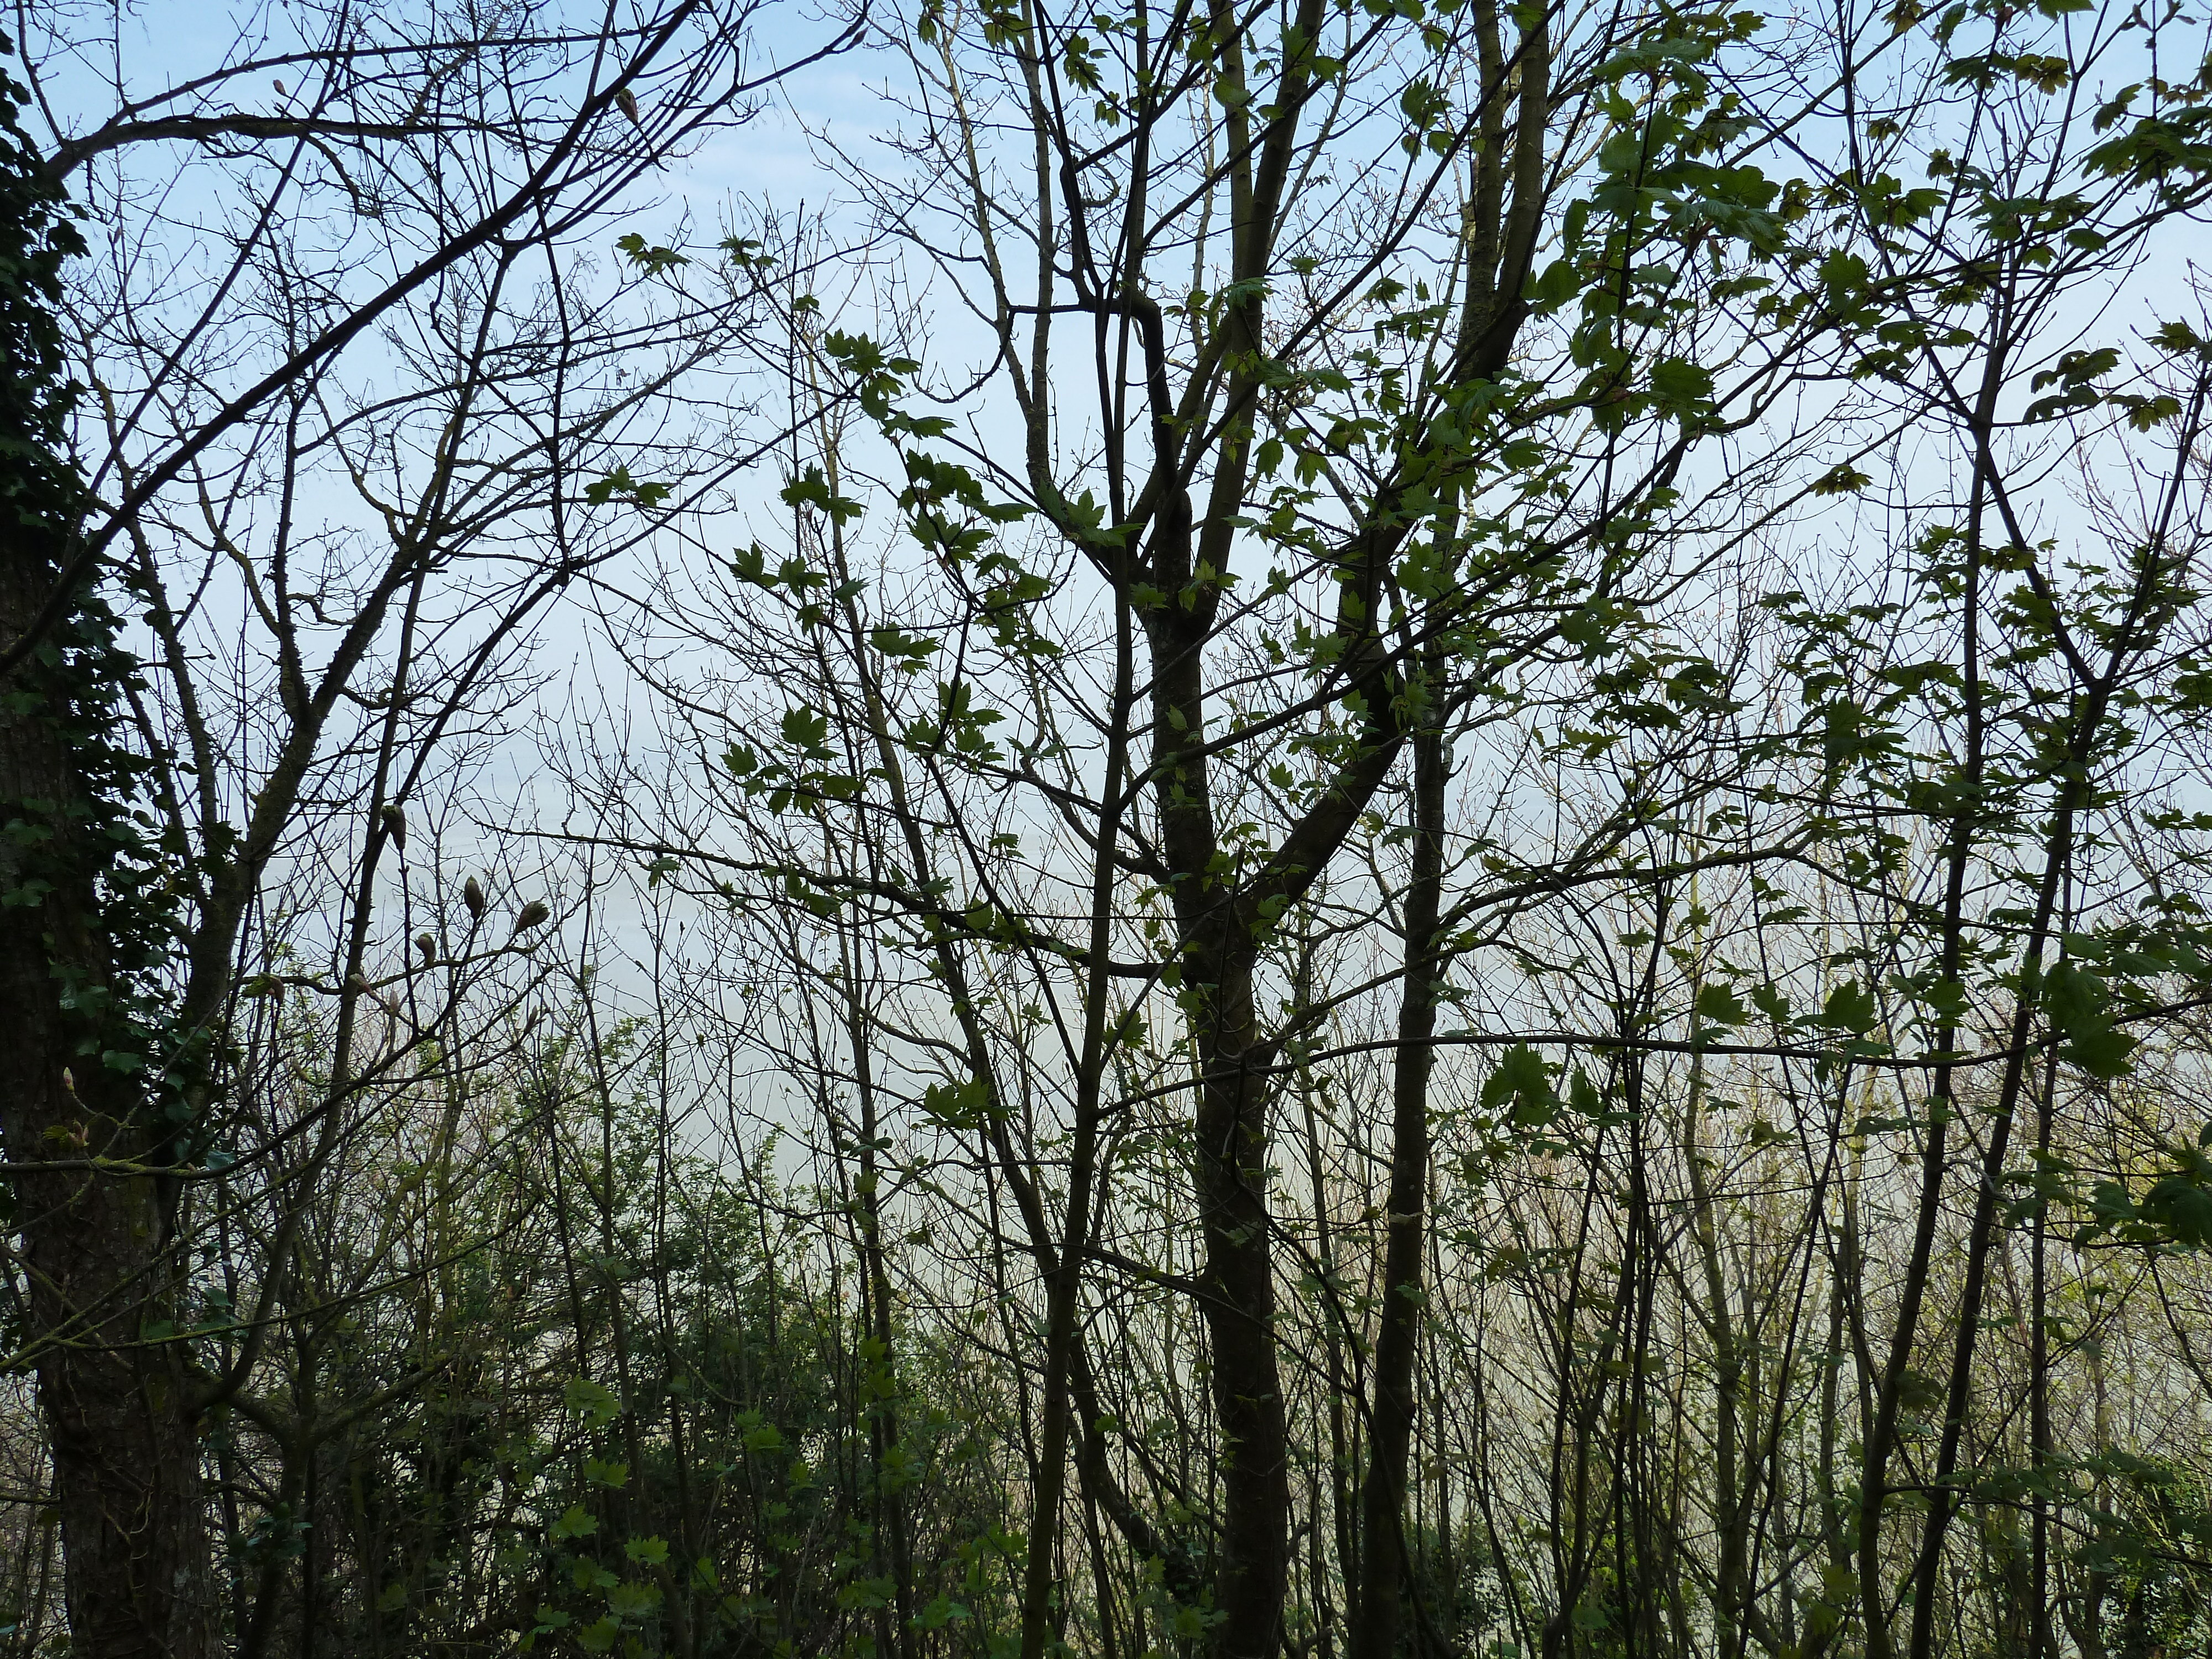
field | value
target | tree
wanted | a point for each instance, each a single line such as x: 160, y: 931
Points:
x: 391, y: 297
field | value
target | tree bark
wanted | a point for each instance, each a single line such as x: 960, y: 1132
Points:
x: 1383, y: 1498
x: 1219, y: 958
x: 98, y: 1275
x: 119, y: 1409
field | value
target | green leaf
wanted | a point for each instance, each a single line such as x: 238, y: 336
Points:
x: 941, y: 1611
x: 648, y: 1552
x: 807, y: 729
x: 1681, y: 387
x: 1718, y: 1004
x: 2178, y: 338
x: 594, y: 1399
x: 910, y: 651
x: 575, y: 1522
x: 1849, y: 1007
x: 589, y: 1575
x: 1584, y: 1096
x: 2079, y: 1009
x: 648, y: 258
x: 618, y: 485
x: 633, y: 1601
x: 962, y: 1106
x: 811, y: 489
x: 2180, y: 1205
x: 1522, y: 1078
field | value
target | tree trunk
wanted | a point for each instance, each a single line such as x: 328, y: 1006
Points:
x: 96, y: 1254
x: 1219, y: 958
x: 98, y: 1275
x: 1247, y: 1394
x: 1383, y: 1499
